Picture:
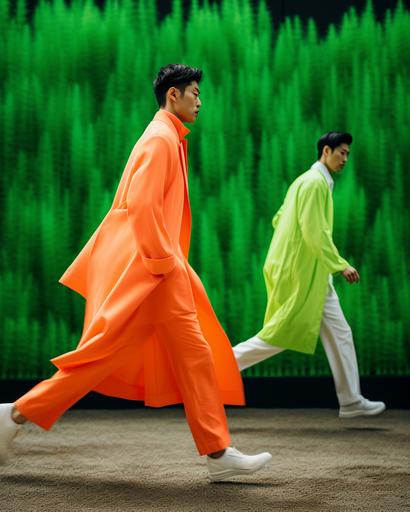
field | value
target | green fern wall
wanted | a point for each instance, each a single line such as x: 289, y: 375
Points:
x: 75, y: 94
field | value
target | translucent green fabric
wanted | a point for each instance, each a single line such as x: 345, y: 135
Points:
x: 300, y: 258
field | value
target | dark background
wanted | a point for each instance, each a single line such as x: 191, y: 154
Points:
x: 324, y: 13
x: 261, y: 392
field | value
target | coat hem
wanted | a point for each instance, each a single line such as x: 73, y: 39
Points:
x: 288, y: 346
x: 119, y: 389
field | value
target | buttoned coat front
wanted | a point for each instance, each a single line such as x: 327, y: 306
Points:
x: 142, y: 242
x: 300, y: 258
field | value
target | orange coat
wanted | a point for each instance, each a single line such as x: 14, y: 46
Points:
x: 144, y: 235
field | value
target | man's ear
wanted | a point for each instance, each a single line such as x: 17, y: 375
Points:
x: 327, y: 150
x: 172, y: 93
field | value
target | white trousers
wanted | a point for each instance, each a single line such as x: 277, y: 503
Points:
x: 337, y: 340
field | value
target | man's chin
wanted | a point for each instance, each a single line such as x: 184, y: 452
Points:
x: 191, y: 119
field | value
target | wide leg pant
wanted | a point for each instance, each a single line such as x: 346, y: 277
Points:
x: 194, y: 371
x: 337, y: 340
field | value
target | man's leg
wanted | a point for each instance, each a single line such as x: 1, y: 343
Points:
x: 254, y: 351
x: 193, y: 365
x: 194, y: 370
x: 49, y: 399
x: 337, y: 339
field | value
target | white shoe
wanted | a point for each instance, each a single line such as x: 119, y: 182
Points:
x: 363, y: 407
x: 233, y: 463
x: 8, y: 430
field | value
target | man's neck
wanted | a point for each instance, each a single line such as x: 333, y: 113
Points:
x: 323, y: 169
x: 329, y: 170
x: 169, y: 109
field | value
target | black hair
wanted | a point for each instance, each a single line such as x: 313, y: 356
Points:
x: 333, y: 140
x: 174, y: 75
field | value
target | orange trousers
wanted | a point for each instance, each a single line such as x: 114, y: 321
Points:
x: 193, y: 366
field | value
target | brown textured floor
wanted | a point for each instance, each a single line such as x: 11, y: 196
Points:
x: 143, y: 460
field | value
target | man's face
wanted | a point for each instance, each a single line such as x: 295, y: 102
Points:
x: 186, y: 106
x: 336, y: 160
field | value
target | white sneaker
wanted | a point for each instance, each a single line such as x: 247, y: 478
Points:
x: 8, y: 430
x: 363, y: 407
x: 233, y: 463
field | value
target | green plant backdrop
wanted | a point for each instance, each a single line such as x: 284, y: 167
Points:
x: 76, y: 94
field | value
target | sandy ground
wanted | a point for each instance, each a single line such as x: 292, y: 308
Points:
x: 145, y: 460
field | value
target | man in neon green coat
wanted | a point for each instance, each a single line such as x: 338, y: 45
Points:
x: 302, y: 301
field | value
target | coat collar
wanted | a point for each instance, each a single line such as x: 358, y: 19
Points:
x: 173, y: 122
x: 324, y: 172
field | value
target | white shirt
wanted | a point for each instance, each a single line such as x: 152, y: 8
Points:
x: 325, y: 172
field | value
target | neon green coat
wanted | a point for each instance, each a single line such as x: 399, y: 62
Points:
x: 300, y: 258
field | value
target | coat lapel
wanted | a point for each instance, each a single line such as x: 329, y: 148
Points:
x: 180, y: 131
x: 185, y: 236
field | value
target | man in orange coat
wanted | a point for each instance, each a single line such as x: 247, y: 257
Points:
x: 150, y: 332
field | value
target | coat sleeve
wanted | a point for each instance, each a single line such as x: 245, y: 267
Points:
x: 276, y: 217
x: 145, y: 203
x: 315, y: 229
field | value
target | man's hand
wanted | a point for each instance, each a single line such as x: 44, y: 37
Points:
x: 351, y: 275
